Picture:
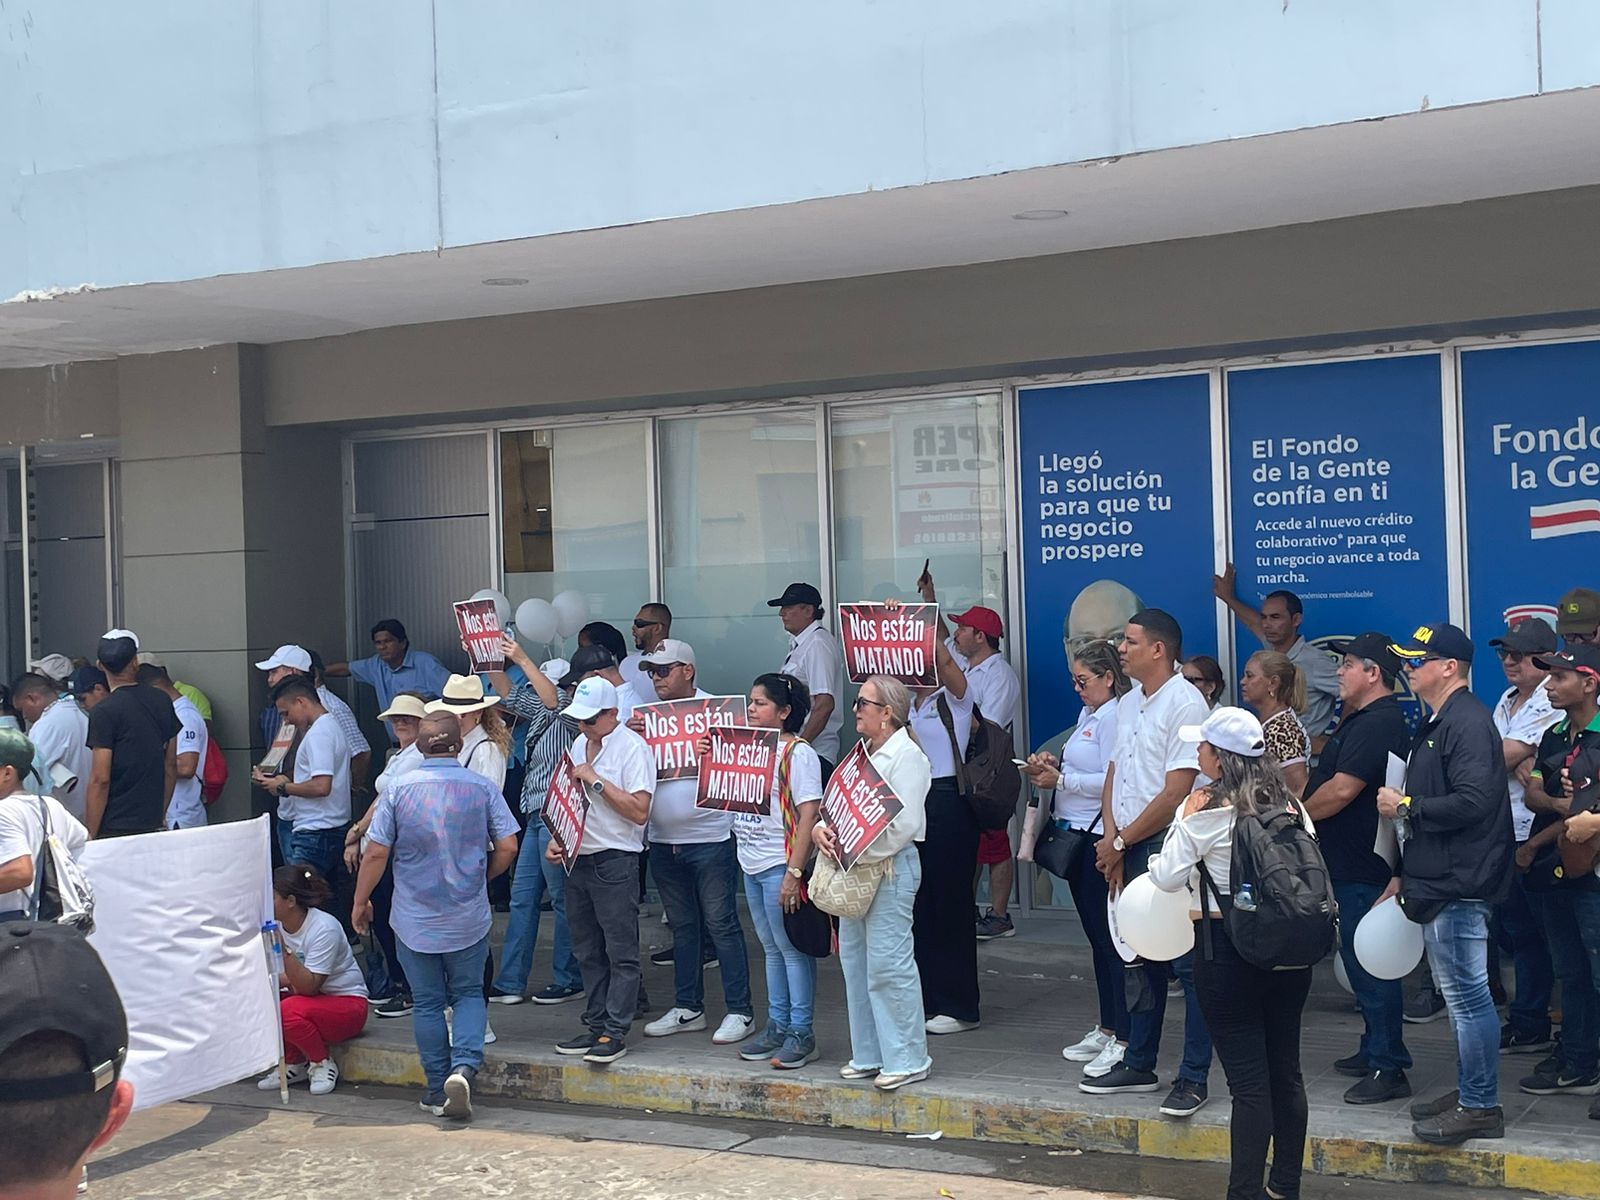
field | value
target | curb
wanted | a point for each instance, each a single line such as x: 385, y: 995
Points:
x: 817, y: 1102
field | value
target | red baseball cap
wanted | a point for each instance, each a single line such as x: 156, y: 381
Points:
x: 984, y: 620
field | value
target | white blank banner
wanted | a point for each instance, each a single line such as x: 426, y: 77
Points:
x: 178, y: 920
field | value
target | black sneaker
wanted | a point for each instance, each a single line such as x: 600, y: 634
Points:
x: 496, y: 996
x: 1563, y: 1082
x: 1594, y: 1110
x: 1121, y: 1078
x: 606, y: 1049
x: 554, y: 993
x: 1423, y: 1110
x: 992, y: 925
x: 1426, y: 1005
x: 394, y: 1006
x: 433, y: 1104
x: 1355, y: 1066
x: 662, y: 958
x: 1516, y: 1041
x: 458, y: 1093
x: 1379, y: 1087
x: 581, y: 1044
x: 1461, y: 1125
x: 1185, y: 1099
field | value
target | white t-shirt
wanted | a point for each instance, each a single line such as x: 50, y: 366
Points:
x: 1083, y: 766
x: 188, y: 808
x: 1148, y: 746
x: 479, y: 754
x: 323, y: 949
x: 760, y: 835
x: 935, y: 738
x: 625, y: 760
x: 674, y: 819
x: 1528, y: 724
x: 632, y: 671
x: 22, y: 833
x: 995, y: 689
x: 348, y: 725
x: 322, y: 751
x: 816, y: 661
x: 61, y: 735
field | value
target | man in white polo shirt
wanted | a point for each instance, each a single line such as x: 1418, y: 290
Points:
x: 1152, y: 770
x: 617, y: 769
x: 59, y: 729
x: 815, y: 660
x: 188, y: 807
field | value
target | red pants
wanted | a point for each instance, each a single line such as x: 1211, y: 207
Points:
x: 311, y: 1022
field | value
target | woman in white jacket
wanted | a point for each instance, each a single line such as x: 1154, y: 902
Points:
x: 883, y: 990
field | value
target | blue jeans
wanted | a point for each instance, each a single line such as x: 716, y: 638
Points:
x: 1457, y: 942
x: 534, y: 877
x: 1580, y: 1007
x: 791, y: 975
x: 1523, y: 934
x: 697, y: 883
x: 320, y: 848
x: 1144, y: 1028
x: 437, y: 980
x: 882, y: 989
x: 1196, y: 1064
x: 1381, y: 1000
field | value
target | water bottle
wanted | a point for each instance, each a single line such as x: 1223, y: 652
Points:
x: 1245, y: 898
x: 274, y: 947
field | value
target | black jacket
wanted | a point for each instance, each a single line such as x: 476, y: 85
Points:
x: 1462, y: 844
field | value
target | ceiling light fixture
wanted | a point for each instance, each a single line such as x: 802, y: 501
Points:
x: 505, y: 281
x: 1040, y: 214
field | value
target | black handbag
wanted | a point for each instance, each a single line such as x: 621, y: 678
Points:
x: 809, y: 930
x: 1060, y: 851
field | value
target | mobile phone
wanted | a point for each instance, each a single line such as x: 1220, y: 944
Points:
x: 1021, y: 762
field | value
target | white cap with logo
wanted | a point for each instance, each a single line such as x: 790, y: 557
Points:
x: 1231, y: 729
x: 287, y: 656
x: 592, y: 697
x: 117, y: 635
x: 670, y: 651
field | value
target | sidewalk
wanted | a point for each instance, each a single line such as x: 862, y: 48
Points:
x: 1006, y: 1081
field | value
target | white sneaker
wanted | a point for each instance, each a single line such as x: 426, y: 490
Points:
x: 298, y: 1073
x: 676, y: 1020
x: 735, y: 1027
x: 1105, y: 1060
x: 489, y: 1035
x: 942, y: 1024
x: 1089, y: 1049
x: 324, y: 1075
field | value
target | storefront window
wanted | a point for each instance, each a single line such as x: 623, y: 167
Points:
x: 739, y: 521
x: 574, y: 507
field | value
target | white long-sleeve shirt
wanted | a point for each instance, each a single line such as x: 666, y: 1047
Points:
x: 905, y: 769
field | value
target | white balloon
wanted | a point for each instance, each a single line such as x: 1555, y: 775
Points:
x: 572, y: 612
x: 1124, y: 951
x: 1153, y: 922
x: 1340, y: 975
x: 1388, y: 943
x: 502, y: 606
x: 536, y: 621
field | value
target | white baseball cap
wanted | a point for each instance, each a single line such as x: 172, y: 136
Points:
x: 1230, y: 729
x: 592, y: 697
x: 287, y: 656
x: 555, y: 670
x: 116, y: 635
x: 670, y: 651
x: 52, y: 666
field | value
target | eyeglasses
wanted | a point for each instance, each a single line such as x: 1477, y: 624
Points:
x: 1511, y: 658
x: 1082, y: 681
x: 588, y: 721
x: 860, y: 700
x: 661, y: 670
x: 641, y: 624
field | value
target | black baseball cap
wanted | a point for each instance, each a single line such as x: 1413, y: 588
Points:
x: 85, y: 679
x: 1374, y: 647
x: 585, y: 661
x: 1573, y: 658
x: 52, y: 981
x: 797, y: 593
x: 1436, y: 641
x: 1530, y: 636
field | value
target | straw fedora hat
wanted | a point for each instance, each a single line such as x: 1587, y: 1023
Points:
x: 463, y: 694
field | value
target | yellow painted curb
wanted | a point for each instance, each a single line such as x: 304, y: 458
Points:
x: 841, y: 1106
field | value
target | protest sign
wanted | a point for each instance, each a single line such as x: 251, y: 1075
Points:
x: 898, y: 644
x: 178, y: 918
x: 673, y: 728
x: 566, y: 811
x: 736, y: 774
x: 858, y: 805
x: 272, y: 763
x: 480, y: 631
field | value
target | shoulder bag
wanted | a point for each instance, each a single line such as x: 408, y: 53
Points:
x: 847, y: 893
x: 986, y: 776
x: 808, y: 928
x: 61, y: 891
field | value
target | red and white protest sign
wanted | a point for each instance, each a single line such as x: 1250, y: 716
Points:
x: 480, y: 630
x: 673, y: 727
x: 736, y: 773
x: 565, y: 812
x: 858, y: 805
x: 898, y: 644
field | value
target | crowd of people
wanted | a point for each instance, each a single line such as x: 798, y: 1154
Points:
x: 1494, y: 812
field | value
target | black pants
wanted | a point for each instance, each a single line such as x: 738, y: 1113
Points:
x: 1254, y: 1018
x: 946, y: 937
x: 603, y: 921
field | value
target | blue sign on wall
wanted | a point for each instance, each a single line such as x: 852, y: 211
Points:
x: 1115, y: 487
x: 1531, y: 435
x: 1337, y: 478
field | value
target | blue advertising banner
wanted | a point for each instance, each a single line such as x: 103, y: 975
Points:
x: 1115, y: 489
x: 1530, y: 428
x: 1337, y: 480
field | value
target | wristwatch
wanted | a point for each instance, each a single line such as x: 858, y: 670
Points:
x: 1118, y: 844
x: 797, y: 872
x: 282, y: 784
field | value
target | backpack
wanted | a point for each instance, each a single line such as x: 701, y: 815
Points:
x: 61, y: 891
x: 213, y: 772
x: 1291, y: 919
x: 987, y: 776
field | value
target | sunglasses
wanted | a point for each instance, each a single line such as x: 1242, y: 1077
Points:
x: 1578, y: 639
x: 661, y: 670
x: 1511, y: 657
x: 1416, y: 664
x: 861, y: 700
x: 638, y: 624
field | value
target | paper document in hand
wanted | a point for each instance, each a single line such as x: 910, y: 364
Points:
x: 1386, y: 845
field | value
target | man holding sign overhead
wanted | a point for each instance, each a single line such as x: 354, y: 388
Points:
x: 691, y: 848
x: 616, y: 767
